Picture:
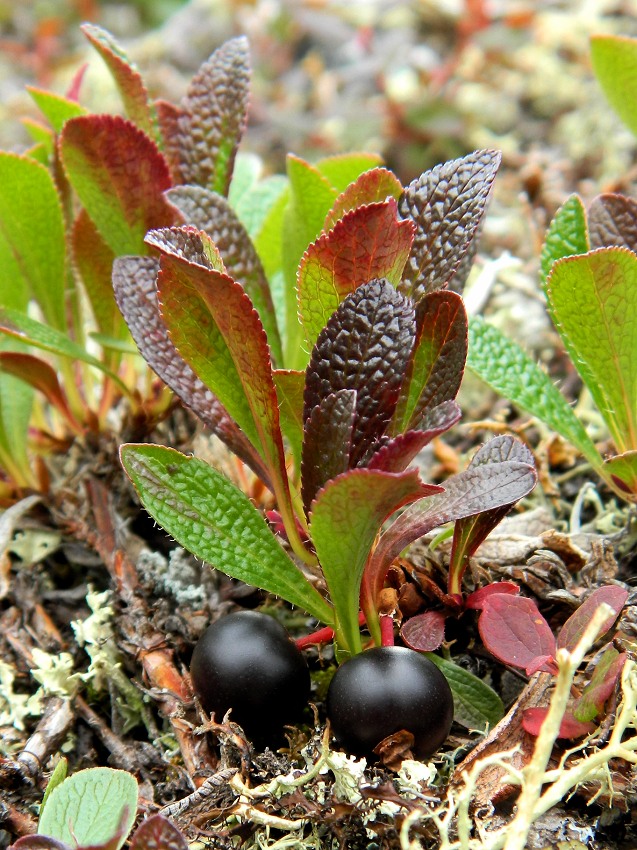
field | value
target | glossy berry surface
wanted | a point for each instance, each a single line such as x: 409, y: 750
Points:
x: 386, y: 689
x: 247, y: 662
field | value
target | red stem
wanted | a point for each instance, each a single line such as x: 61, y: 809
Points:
x: 386, y: 630
x: 324, y: 635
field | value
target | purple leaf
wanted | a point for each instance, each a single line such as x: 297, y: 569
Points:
x: 436, y: 366
x: 533, y: 718
x: 478, y: 599
x: 364, y: 347
x: 186, y: 243
x: 136, y: 294
x: 612, y: 220
x: 327, y: 442
x: 512, y: 629
x: 446, y: 204
x: 158, y: 833
x: 424, y: 632
x: 213, y: 117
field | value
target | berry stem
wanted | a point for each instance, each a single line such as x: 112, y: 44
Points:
x: 386, y: 630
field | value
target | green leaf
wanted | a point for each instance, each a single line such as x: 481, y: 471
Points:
x: 510, y: 371
x: 368, y: 242
x: 20, y: 326
x: 255, y: 207
x: 16, y: 402
x: 56, y: 109
x: 120, y: 177
x: 621, y: 473
x: 32, y: 240
x: 343, y: 169
x: 215, y: 521
x: 346, y: 517
x: 567, y: 234
x: 311, y: 197
x: 289, y: 390
x: 614, y: 60
x: 127, y: 78
x: 592, y: 300
x: 476, y: 705
x: 57, y: 777
x: 87, y: 808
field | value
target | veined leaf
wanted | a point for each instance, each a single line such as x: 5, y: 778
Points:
x: 213, y: 116
x: 567, y: 234
x: 136, y: 294
x: 213, y: 214
x: 573, y: 629
x: 373, y: 186
x: 187, y: 243
x: 476, y: 705
x: 215, y: 521
x: 158, y: 833
x: 512, y: 629
x: 447, y: 204
x: 367, y: 243
x: 32, y: 242
x: 346, y: 517
x: 435, y: 368
x: 127, y: 78
x: 614, y: 61
x: 120, y: 177
x: 612, y: 220
x: 20, y: 326
x: 592, y: 300
x: 55, y: 108
x: 509, y: 370
x: 327, y: 442
x: 365, y: 347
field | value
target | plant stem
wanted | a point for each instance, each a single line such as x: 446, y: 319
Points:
x: 386, y: 630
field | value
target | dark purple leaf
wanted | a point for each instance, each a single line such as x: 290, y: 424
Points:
x: 168, y: 116
x: 158, y: 833
x: 136, y: 294
x: 39, y: 842
x: 424, y: 632
x: 327, y: 442
x: 446, y: 204
x: 364, y: 347
x: 436, y: 366
x: 573, y: 629
x: 512, y: 629
x: 213, y: 117
x: 186, y: 243
x: 212, y: 213
x: 612, y: 220
x: 396, y: 453
x: 478, y: 488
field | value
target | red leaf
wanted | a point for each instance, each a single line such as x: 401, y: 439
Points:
x: 478, y: 599
x: 574, y: 627
x: 512, y: 629
x: 542, y: 664
x: 94, y: 261
x: 41, y: 377
x: 158, y: 833
x: 533, y: 718
x: 372, y: 186
x: 369, y: 242
x: 120, y: 177
x: 425, y: 632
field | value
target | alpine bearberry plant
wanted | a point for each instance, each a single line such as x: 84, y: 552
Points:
x: 322, y: 342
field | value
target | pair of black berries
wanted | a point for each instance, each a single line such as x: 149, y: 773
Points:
x: 247, y: 662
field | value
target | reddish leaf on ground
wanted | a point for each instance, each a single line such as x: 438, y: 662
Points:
x: 158, y: 833
x: 424, y: 632
x: 120, y: 177
x: 602, y: 684
x: 364, y: 347
x: 128, y: 80
x: 375, y: 185
x: 479, y: 598
x: 447, y: 204
x: 575, y: 626
x: 213, y: 117
x: 367, y: 243
x: 436, y: 366
x: 612, y: 220
x: 512, y: 629
x: 533, y: 718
